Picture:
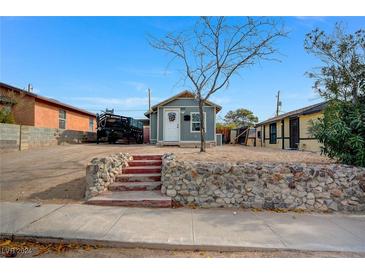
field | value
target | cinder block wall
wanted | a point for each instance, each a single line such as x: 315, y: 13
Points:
x: 33, y: 137
x: 16, y: 137
x: 9, y: 137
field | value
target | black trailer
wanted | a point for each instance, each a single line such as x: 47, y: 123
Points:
x: 112, y: 128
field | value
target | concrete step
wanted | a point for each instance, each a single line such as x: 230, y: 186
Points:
x: 131, y: 198
x: 141, y: 169
x: 135, y: 186
x: 147, y: 157
x: 145, y: 163
x: 147, y: 177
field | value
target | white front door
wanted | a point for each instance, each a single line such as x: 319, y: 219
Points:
x: 171, y: 125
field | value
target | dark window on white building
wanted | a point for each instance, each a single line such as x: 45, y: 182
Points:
x: 273, y: 133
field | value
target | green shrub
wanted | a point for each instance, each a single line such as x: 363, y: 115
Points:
x: 6, y: 116
x: 342, y: 132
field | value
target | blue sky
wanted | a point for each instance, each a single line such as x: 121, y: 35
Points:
x: 99, y: 62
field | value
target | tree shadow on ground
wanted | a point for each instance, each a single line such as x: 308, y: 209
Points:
x: 73, y: 190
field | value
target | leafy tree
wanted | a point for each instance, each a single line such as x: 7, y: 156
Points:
x: 217, y: 48
x: 8, y: 100
x: 224, y: 125
x: 6, y: 116
x: 342, y: 77
x: 341, y: 81
x: 240, y: 117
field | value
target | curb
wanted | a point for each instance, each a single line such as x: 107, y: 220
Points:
x: 164, y: 246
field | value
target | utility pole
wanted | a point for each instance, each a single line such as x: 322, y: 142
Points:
x: 30, y: 88
x: 278, y: 103
x: 149, y: 117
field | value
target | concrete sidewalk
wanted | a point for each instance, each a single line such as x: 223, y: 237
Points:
x: 209, y: 229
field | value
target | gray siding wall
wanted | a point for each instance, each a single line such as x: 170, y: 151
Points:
x: 153, y: 126
x: 185, y: 131
x: 160, y: 123
x: 187, y: 135
x: 182, y: 102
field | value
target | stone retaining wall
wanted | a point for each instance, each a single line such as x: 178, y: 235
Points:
x: 295, y: 186
x: 101, y: 172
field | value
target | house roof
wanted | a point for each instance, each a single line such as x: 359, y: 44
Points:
x: 46, y: 99
x: 302, y: 111
x: 183, y: 94
x: 145, y: 121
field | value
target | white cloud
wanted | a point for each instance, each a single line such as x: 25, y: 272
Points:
x: 307, y: 95
x: 169, y: 25
x: 311, y: 18
x: 136, y: 85
x: 220, y: 100
x: 131, y: 102
x: 311, y: 21
x: 154, y: 72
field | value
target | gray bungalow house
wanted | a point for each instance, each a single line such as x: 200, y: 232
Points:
x: 175, y: 121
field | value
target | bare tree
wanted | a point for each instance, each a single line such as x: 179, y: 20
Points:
x: 217, y: 48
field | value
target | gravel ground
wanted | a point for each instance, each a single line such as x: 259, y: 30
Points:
x: 233, y: 153
x: 57, y: 174
x: 31, y: 250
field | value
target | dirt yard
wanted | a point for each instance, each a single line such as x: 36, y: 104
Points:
x: 37, y: 250
x: 57, y: 174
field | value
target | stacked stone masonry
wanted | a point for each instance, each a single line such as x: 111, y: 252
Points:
x: 101, y: 172
x: 288, y: 186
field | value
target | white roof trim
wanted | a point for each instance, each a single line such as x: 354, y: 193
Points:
x: 177, y: 96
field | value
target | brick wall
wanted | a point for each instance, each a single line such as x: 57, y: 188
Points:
x: 37, y: 112
x: 47, y: 115
x: 23, y: 110
x: 16, y: 137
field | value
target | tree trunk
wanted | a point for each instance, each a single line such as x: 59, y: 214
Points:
x: 202, y: 125
x: 355, y: 88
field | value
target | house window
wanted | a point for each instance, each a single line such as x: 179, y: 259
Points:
x: 195, y: 121
x: 272, y: 131
x: 259, y: 134
x: 91, y: 124
x: 62, y: 119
